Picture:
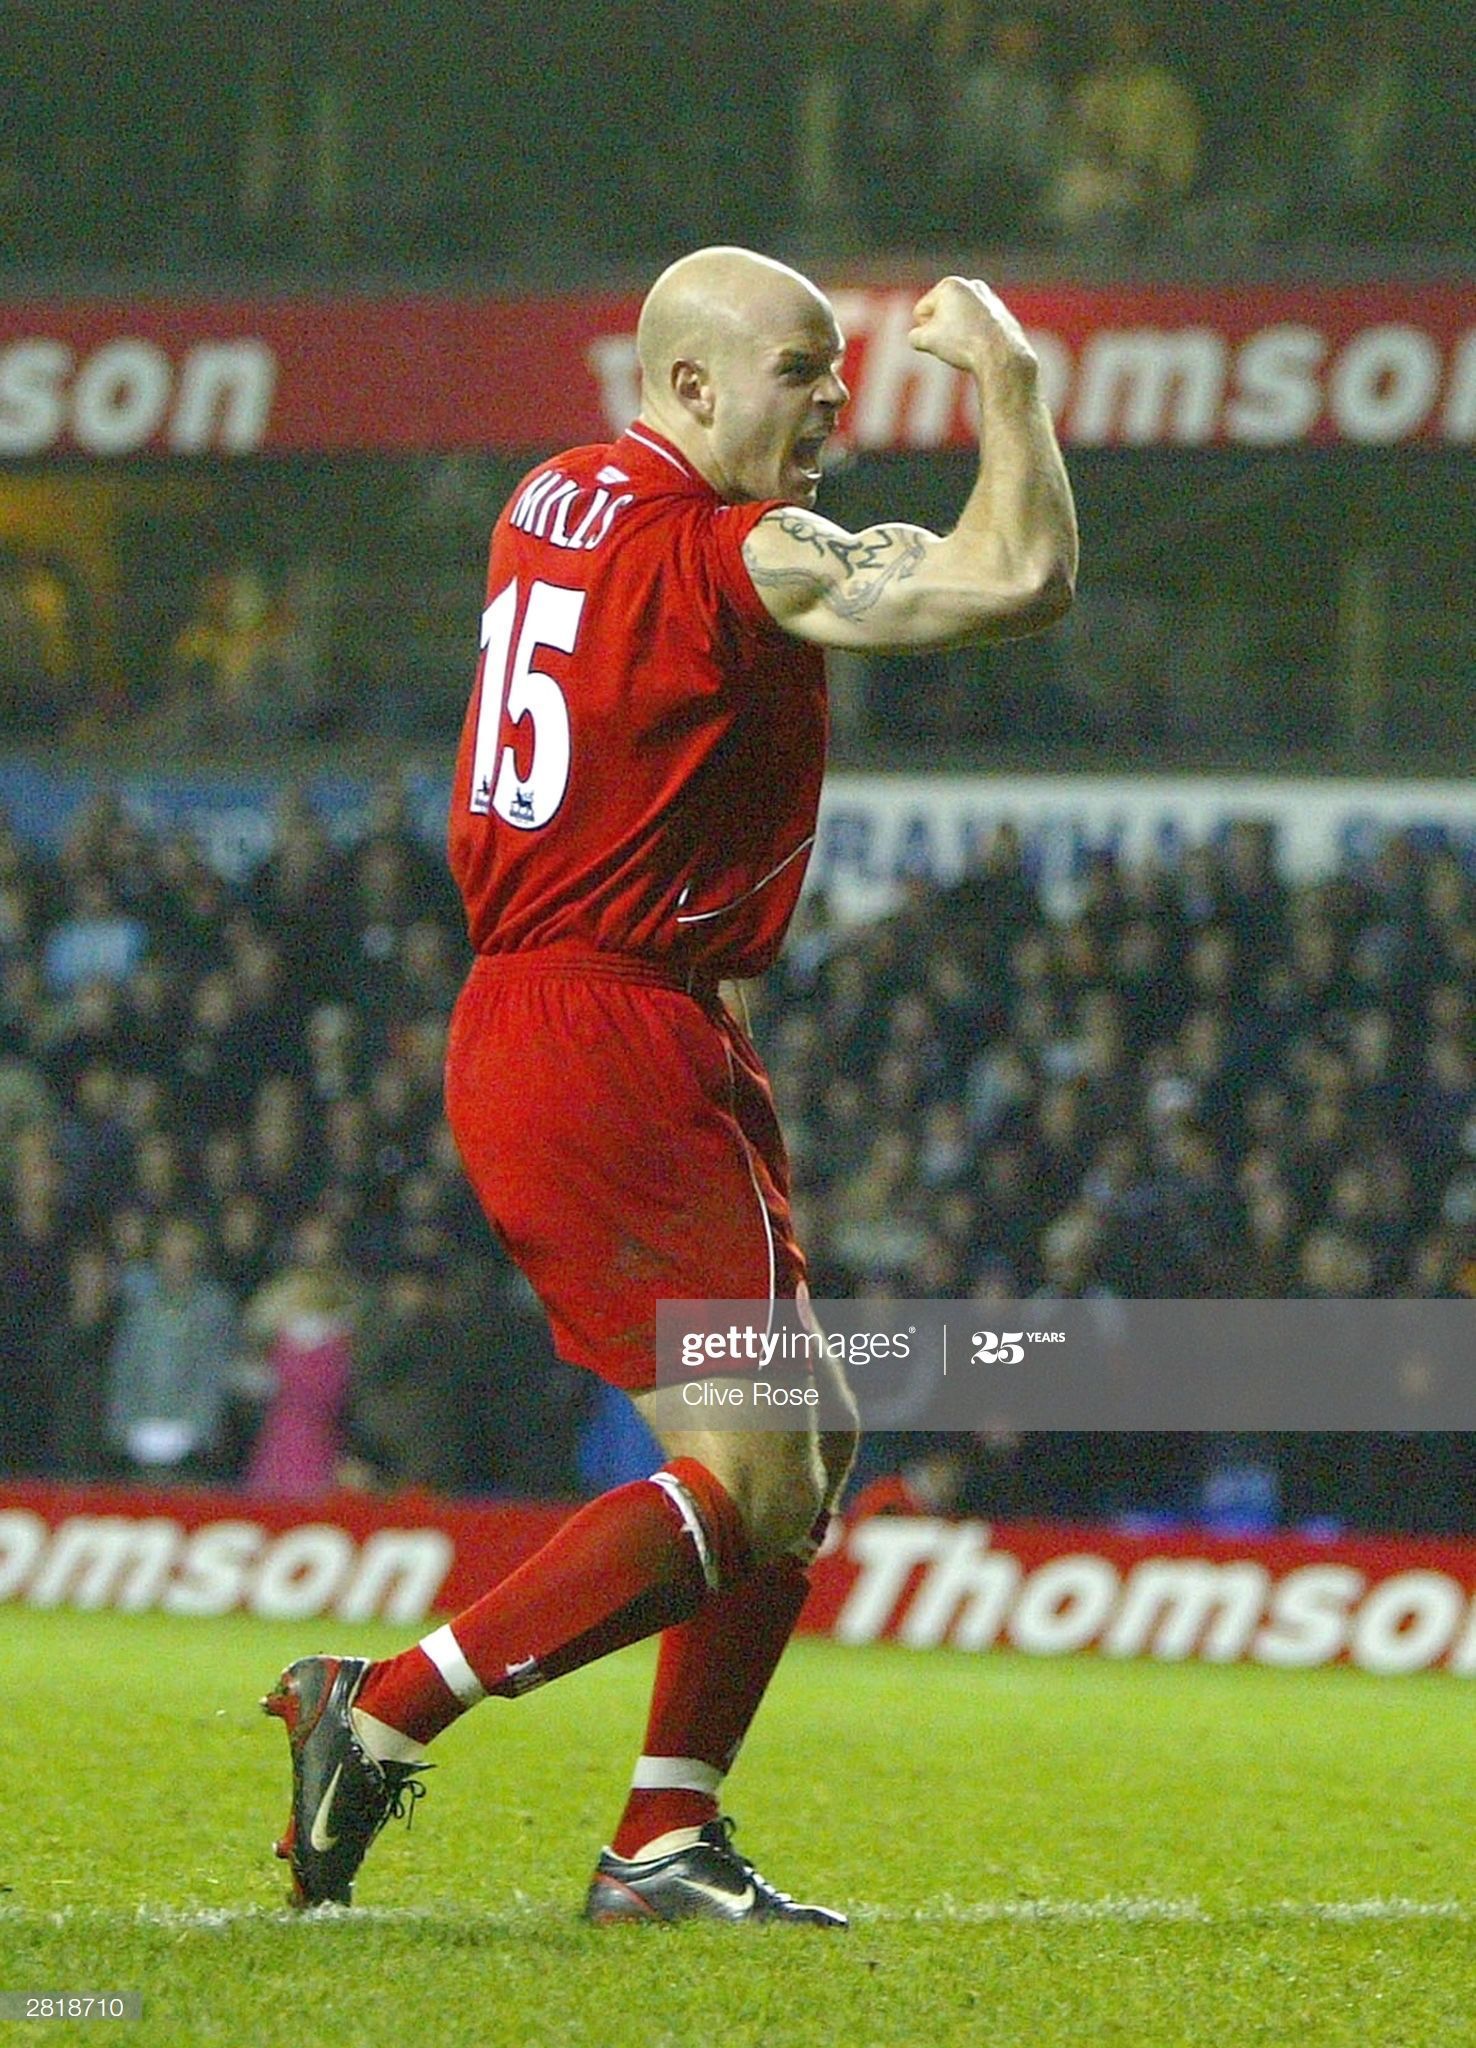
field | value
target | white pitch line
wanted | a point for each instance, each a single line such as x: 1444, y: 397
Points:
x: 1123, y: 1910
x: 1128, y: 1911
x: 205, y: 1919
x: 1375, y: 1909
x: 949, y: 1912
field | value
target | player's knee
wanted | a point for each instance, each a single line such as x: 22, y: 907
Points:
x: 777, y: 1481
x: 785, y: 1494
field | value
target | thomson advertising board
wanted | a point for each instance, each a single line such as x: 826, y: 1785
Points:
x: 922, y: 1581
x: 1373, y: 365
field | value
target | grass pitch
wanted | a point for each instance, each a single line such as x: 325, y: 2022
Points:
x: 1033, y: 1853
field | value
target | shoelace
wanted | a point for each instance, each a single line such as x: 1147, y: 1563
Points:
x: 404, y: 1800
x: 728, y: 1826
x: 404, y: 1797
x: 403, y: 1789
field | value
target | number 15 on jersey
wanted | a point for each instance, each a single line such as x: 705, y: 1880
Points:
x: 510, y: 681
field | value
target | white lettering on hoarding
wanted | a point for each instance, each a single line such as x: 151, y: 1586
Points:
x: 1407, y: 1623
x: 125, y: 393
x: 616, y: 366
x: 1462, y: 1658
x: 1174, y: 1606
x: 1063, y: 1605
x: 1183, y: 381
x: 1277, y: 397
x: 1148, y: 386
x: 1139, y: 386
x: 888, y: 1549
x: 96, y: 1561
x: 966, y: 1595
x: 924, y: 1580
x: 930, y: 1582
x: 106, y: 1561
x: 32, y: 408
x: 1382, y: 388
x: 1460, y: 401
x: 902, y: 394
x: 119, y: 396
x: 397, y: 1577
x: 875, y: 831
x: 301, y: 1572
x: 22, y: 1540
x: 210, y: 1575
x: 225, y: 397
x: 1309, y: 1617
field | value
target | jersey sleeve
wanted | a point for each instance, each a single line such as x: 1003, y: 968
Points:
x: 731, y: 526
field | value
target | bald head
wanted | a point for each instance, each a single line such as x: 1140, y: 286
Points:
x: 726, y: 332
x: 705, y: 302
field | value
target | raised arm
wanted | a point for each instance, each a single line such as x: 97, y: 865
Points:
x: 1009, y: 565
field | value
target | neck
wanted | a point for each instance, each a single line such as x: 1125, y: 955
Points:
x: 688, y: 440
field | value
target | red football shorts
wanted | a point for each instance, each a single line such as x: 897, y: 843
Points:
x: 621, y: 1137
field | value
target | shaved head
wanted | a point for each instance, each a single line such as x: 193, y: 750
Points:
x: 704, y: 302
x: 735, y: 347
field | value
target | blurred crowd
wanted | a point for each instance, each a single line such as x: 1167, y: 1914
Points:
x: 1115, y: 130
x: 235, y: 1241
x: 1194, y: 1079
x: 1190, y: 1079
x: 521, y: 139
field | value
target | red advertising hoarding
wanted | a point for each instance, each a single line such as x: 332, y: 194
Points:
x: 1386, y: 1606
x: 1146, y: 366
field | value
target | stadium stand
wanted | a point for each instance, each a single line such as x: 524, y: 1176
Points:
x: 1193, y: 1079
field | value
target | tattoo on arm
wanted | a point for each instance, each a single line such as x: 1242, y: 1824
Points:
x: 851, y: 573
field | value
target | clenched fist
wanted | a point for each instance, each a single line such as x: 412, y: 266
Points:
x: 962, y: 322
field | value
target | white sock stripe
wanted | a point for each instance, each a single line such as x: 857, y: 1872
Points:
x: 686, y: 1507
x: 675, y: 1774
x: 449, y: 1659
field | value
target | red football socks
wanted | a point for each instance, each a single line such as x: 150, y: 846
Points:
x: 712, y: 1672
x: 641, y: 1558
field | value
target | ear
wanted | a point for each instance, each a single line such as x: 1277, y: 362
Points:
x: 691, y: 386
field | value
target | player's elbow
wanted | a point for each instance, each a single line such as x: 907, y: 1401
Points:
x: 1054, y: 593
x: 1007, y: 600
x: 1035, y: 598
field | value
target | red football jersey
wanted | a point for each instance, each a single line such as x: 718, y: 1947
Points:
x: 640, y: 767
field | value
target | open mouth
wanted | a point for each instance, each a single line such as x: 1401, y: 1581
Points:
x: 807, y: 453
